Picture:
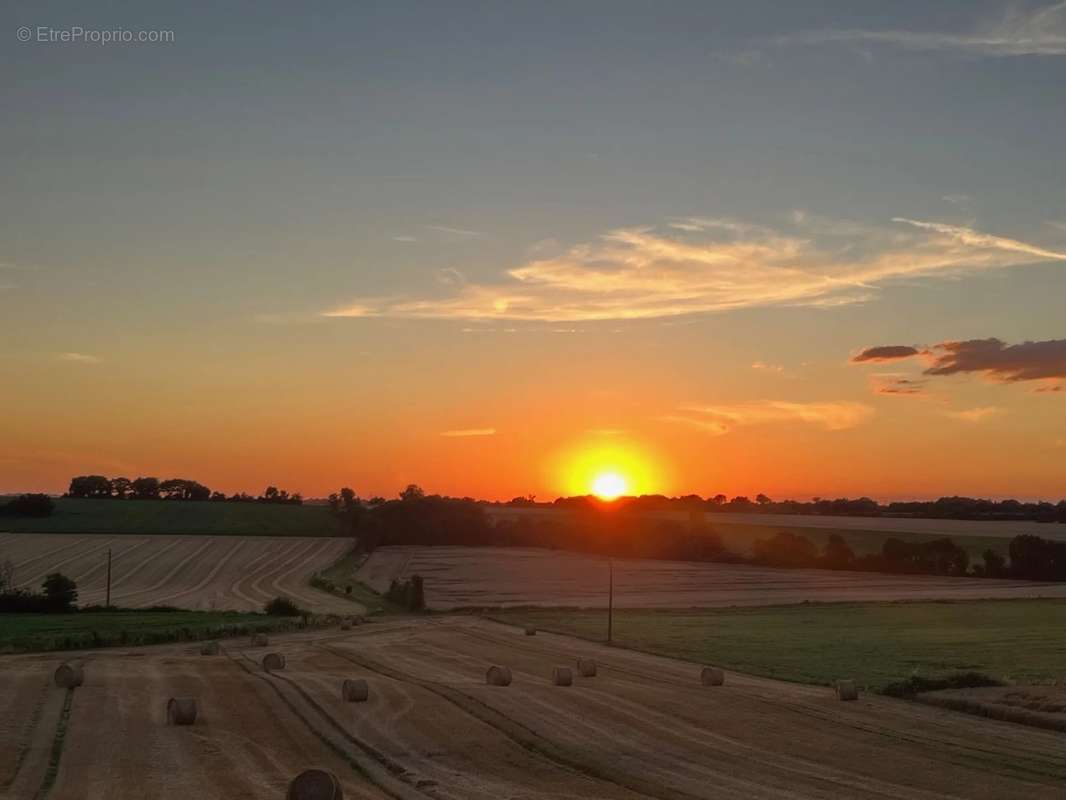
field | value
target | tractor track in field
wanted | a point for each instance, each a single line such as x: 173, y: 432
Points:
x: 646, y: 723
x: 56, y: 753
x: 22, y: 746
x: 518, y: 733
x: 219, y: 565
x: 966, y: 754
x: 393, y: 768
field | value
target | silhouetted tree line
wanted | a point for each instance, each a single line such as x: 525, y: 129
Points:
x: 29, y: 505
x: 945, y: 508
x: 101, y: 487
x: 58, y: 594
x: 603, y: 528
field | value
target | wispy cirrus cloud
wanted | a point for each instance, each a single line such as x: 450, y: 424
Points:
x: 898, y: 385
x: 1020, y: 32
x: 700, y: 265
x: 461, y: 233
x: 994, y: 358
x: 463, y: 432
x: 975, y: 415
x: 762, y: 366
x: 80, y: 358
x: 720, y: 419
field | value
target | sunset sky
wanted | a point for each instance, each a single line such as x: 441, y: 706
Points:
x: 496, y: 248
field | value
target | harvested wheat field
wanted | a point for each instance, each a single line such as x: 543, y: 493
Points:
x: 461, y: 577
x: 237, y: 573
x: 643, y: 727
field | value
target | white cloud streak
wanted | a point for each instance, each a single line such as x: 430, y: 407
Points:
x: 470, y: 432
x: 720, y: 419
x: 80, y: 358
x: 975, y: 415
x: 1037, y: 32
x: 460, y: 232
x: 698, y: 265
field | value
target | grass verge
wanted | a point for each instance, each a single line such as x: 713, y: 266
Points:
x: 337, y: 578
x: 22, y: 633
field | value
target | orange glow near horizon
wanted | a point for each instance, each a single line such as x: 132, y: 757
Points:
x: 610, y: 471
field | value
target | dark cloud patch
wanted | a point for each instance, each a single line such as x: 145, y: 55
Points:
x: 897, y: 385
x: 893, y: 352
x: 888, y: 384
x: 1028, y: 361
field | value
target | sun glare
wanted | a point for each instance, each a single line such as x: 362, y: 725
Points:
x: 609, y: 485
x: 609, y: 470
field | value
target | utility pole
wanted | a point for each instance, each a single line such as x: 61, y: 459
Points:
x: 108, y: 603
x: 610, y: 600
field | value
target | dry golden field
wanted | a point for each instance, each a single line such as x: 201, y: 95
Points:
x: 458, y: 577
x: 643, y: 727
x: 196, y: 572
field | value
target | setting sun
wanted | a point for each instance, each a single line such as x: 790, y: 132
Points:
x: 609, y: 485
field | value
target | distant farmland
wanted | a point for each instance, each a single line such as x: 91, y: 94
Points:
x: 457, y: 577
x: 178, y: 517
x: 863, y: 534
x: 233, y: 573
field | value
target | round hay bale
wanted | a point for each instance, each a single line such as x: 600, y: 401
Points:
x: 846, y: 690
x: 315, y: 784
x: 210, y: 649
x: 712, y: 676
x: 355, y: 691
x: 531, y: 631
x: 273, y: 662
x: 562, y: 676
x: 586, y: 668
x: 69, y: 676
x: 181, y: 711
x: 259, y: 640
x: 498, y: 676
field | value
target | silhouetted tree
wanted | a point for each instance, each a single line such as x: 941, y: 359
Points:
x: 785, y: 549
x: 412, y: 492
x: 837, y: 554
x: 60, y: 592
x: 146, y: 488
x: 89, y: 486
x: 995, y: 564
x: 29, y: 505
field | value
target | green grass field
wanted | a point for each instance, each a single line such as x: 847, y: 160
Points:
x: 43, y: 632
x: 342, y: 575
x: 874, y: 643
x: 162, y: 516
x: 739, y: 537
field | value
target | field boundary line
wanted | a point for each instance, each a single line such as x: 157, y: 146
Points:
x: 56, y: 753
x: 523, y: 736
x: 348, y: 757
x: 26, y: 736
x: 964, y: 755
x: 975, y: 708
